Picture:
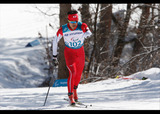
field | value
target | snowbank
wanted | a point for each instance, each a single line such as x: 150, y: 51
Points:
x: 152, y: 74
x: 20, y: 66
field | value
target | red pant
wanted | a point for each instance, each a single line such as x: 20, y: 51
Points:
x: 75, y: 60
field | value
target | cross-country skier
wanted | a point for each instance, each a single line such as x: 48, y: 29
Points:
x: 73, y: 33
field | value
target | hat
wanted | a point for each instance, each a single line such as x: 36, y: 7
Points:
x: 73, y: 17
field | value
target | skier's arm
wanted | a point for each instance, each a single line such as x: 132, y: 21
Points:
x: 86, y: 30
x: 56, y: 40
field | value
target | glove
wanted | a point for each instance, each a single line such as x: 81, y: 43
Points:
x: 55, y: 60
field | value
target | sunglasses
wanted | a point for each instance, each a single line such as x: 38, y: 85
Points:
x: 72, y: 21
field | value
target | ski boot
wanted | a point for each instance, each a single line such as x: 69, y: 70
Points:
x: 71, y: 100
x: 75, y: 93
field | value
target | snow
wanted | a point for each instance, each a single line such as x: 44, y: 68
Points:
x: 20, y: 66
x: 111, y: 94
x: 22, y: 70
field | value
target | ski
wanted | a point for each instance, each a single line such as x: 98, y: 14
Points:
x: 80, y: 104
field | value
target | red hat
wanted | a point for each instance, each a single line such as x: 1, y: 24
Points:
x: 73, y: 17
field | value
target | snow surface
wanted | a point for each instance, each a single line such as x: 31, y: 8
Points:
x: 21, y: 66
x: 111, y: 94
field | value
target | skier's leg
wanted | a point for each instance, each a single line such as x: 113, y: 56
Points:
x: 80, y: 62
x: 71, y: 78
x: 70, y: 82
x: 77, y: 80
x: 79, y: 69
x: 70, y: 59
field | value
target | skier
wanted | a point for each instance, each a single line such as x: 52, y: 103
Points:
x: 73, y: 33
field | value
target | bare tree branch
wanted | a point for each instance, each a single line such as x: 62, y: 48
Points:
x: 45, y: 13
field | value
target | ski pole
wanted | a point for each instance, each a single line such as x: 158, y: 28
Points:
x: 51, y: 81
x: 47, y: 92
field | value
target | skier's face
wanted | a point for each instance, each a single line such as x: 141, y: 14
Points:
x: 73, y: 25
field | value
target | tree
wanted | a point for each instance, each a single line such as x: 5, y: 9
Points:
x: 103, y: 40
x: 141, y: 31
x: 146, y: 45
x: 86, y: 18
x: 141, y: 40
x: 94, y: 46
x: 121, y: 36
x: 104, y: 28
x: 62, y: 69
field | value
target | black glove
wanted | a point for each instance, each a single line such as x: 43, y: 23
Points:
x: 55, y: 60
